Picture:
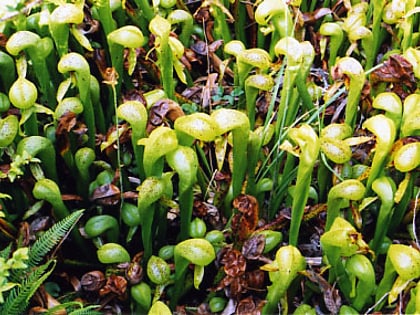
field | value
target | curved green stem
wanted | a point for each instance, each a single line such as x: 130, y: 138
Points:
x: 38, y: 49
x: 238, y: 123
x: 384, y: 187
x: 292, y: 49
x: 47, y: 189
x: 103, y: 225
x: 196, y: 251
x: 84, y: 157
x: 384, y: 130
x: 308, y: 56
x: 104, y: 12
x: 274, y: 15
x: 185, y: 18
x: 254, y: 84
x: 309, y: 145
x: 282, y: 271
x: 349, y: 189
x: 60, y: 20
x: 128, y: 36
x: 74, y: 62
x: 359, y: 267
x: 135, y: 114
x: 161, y: 141
x: 184, y: 161
x: 146, y: 8
x: 42, y: 147
x: 377, y: 31
x: 351, y: 67
x: 249, y: 59
x: 335, y: 32
x: 161, y: 28
x: 149, y: 192
x: 341, y: 240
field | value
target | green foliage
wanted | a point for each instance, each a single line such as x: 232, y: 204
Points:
x: 244, y: 120
x: 24, y: 268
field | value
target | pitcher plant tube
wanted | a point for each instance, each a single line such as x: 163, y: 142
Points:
x: 61, y: 20
x: 135, y: 114
x: 340, y: 241
x: 46, y: 189
x: 362, y: 277
x: 161, y: 28
x: 196, y: 251
x: 161, y: 141
x: 103, y: 225
x: 75, y: 63
x: 274, y: 17
x: 282, y: 271
x: 42, y: 147
x: 338, y: 197
x: 354, y: 78
x: 402, y: 265
x: 130, y: 37
x: 384, y: 130
x: 184, y: 161
x: 385, y: 188
x: 307, y: 140
x: 230, y: 120
x: 37, y: 49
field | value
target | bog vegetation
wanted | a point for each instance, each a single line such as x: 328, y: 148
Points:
x: 209, y: 157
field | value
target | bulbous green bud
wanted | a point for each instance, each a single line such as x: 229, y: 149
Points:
x: 197, y: 251
x: 304, y: 309
x: 166, y: 252
x: 159, y: 308
x: 407, y: 158
x: 406, y: 261
x: 272, y: 239
x: 217, y: 304
x: 4, y: 103
x: 130, y: 214
x: 336, y: 150
x: 9, y: 127
x: 336, y: 131
x: 158, y: 270
x: 23, y: 93
x: 197, y: 228
x: 112, y: 253
x: 68, y: 104
x: 142, y: 294
x: 215, y: 237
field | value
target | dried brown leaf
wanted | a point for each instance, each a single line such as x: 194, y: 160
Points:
x: 245, y: 222
x: 253, y: 247
x: 398, y: 71
x: 313, y: 16
x: 93, y: 280
x: 163, y: 111
x: 107, y: 194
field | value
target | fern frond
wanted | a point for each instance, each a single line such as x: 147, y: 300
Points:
x: 18, y: 299
x: 5, y: 253
x: 73, y: 308
x: 88, y: 310
x: 52, y: 237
